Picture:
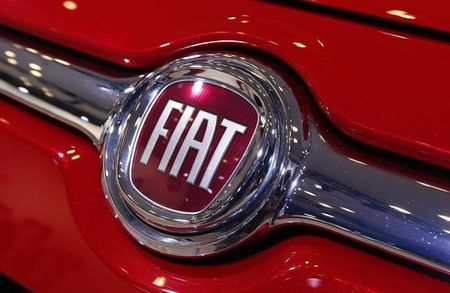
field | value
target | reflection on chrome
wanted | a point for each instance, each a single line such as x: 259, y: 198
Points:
x: 310, y: 193
x: 31, y: 50
x: 36, y: 73
x: 12, y: 61
x: 400, y: 210
x: 23, y: 90
x: 47, y: 57
x: 10, y: 54
x: 325, y: 205
x: 431, y: 186
x: 34, y: 66
x: 62, y: 61
x: 347, y: 210
x: 327, y: 215
x: 52, y: 85
x: 447, y: 218
x: 356, y: 161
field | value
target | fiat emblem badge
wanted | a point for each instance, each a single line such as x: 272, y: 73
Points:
x: 192, y: 161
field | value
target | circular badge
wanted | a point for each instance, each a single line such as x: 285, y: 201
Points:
x: 194, y: 159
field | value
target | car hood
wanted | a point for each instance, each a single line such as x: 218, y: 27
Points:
x: 431, y: 14
x: 385, y: 86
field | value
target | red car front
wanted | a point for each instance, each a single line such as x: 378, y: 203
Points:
x: 228, y: 146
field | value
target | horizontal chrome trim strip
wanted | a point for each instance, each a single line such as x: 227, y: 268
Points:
x: 76, y: 96
x: 348, y: 196
x: 325, y: 188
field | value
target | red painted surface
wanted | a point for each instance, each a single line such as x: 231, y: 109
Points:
x: 58, y: 234
x: 382, y: 87
x: 175, y: 192
x: 431, y: 14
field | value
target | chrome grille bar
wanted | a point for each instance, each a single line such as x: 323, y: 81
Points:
x: 74, y: 95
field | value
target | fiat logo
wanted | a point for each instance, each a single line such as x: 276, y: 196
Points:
x: 190, y: 143
x: 194, y: 156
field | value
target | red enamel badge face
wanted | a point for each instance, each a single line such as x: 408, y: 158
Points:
x: 190, y: 144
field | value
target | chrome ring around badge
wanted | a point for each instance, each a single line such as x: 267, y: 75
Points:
x: 194, y: 160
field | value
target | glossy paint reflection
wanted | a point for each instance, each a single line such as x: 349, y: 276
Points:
x: 414, y: 12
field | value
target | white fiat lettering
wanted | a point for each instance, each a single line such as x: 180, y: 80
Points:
x: 190, y: 142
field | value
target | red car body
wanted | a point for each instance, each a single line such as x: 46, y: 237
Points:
x: 379, y: 75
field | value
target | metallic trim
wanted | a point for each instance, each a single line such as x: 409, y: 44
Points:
x: 345, y: 195
x: 74, y: 95
x: 238, y: 208
x: 312, y: 183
